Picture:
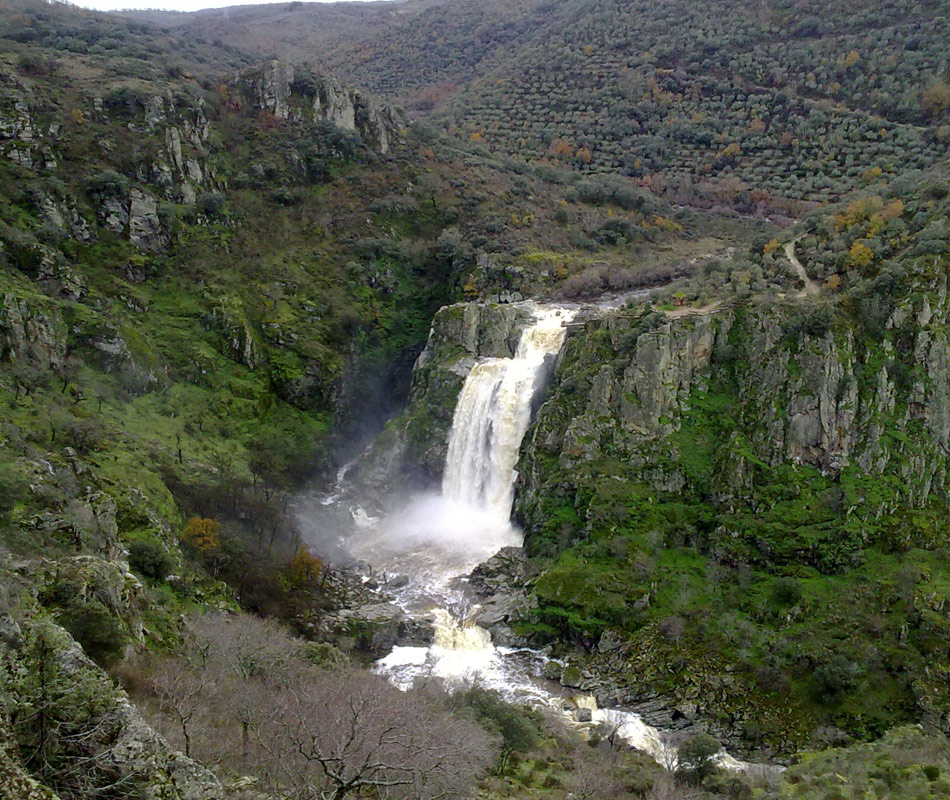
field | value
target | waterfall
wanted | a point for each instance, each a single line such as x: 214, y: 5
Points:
x: 436, y: 539
x: 492, y: 415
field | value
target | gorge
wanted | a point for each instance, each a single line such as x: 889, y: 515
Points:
x: 626, y: 343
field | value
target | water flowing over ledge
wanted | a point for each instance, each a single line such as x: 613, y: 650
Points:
x: 435, y: 540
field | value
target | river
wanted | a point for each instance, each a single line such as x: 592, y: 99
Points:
x: 435, y: 541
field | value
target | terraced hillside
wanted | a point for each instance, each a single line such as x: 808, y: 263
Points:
x: 795, y: 100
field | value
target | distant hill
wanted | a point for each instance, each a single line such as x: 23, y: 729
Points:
x: 797, y: 99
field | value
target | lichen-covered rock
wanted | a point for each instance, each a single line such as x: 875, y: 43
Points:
x: 18, y: 133
x: 276, y: 87
x: 378, y: 627
x: 15, y: 782
x: 241, y: 340
x: 816, y: 398
x: 89, y: 718
x: 145, y: 229
x: 32, y: 331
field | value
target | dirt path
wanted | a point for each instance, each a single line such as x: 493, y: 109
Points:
x: 810, y: 286
x: 689, y: 311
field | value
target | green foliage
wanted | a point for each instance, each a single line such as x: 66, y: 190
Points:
x: 57, y: 709
x: 102, y: 635
x: 108, y: 183
x: 517, y: 729
x: 150, y: 560
x: 905, y: 763
x: 704, y: 108
x: 13, y: 487
x: 696, y: 757
x: 324, y: 655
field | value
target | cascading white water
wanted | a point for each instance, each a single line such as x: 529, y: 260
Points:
x: 492, y: 415
x: 437, y: 539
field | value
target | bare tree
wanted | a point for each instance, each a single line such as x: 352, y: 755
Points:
x: 348, y: 733
x: 247, y: 699
x: 181, y: 690
x: 595, y: 776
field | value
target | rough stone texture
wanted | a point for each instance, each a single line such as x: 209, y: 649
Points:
x: 145, y: 229
x: 230, y: 320
x: 411, y: 451
x: 826, y: 402
x: 502, y: 586
x: 124, y: 746
x: 18, y: 135
x: 32, y: 331
x: 15, y: 782
x: 272, y: 88
x: 379, y: 627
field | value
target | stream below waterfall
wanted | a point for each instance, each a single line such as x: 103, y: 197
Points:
x: 435, y: 541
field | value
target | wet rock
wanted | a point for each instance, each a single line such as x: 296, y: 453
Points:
x: 571, y: 676
x: 398, y: 582
x: 379, y: 627
x: 584, y: 715
x: 506, y: 569
x: 552, y: 670
x: 413, y: 447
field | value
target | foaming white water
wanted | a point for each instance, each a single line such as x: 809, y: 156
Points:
x: 435, y: 539
x: 492, y: 415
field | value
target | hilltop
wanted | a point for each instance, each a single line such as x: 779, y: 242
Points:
x: 743, y: 103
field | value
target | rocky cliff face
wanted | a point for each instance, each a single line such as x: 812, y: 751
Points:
x: 292, y: 93
x: 415, y: 443
x: 794, y: 448
x: 45, y: 675
x: 782, y: 386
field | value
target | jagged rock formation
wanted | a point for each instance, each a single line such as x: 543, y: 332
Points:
x: 827, y: 399
x: 414, y: 444
x: 291, y: 93
x: 86, y: 718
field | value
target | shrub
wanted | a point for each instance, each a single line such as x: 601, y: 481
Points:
x: 696, y: 755
x: 13, y: 486
x: 109, y: 183
x: 786, y: 592
x: 101, y: 634
x: 150, y: 560
x: 211, y: 204
x: 324, y: 655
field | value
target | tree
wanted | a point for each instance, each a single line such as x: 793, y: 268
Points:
x: 517, y: 731
x: 696, y: 758
x: 305, y: 569
x: 202, y: 534
x: 936, y: 99
x: 860, y: 254
x: 348, y: 734
x: 179, y: 687
x: 248, y: 698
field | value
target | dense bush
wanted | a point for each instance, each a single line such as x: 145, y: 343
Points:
x: 100, y: 632
x: 150, y: 560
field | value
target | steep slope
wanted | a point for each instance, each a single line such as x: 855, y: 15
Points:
x: 796, y: 100
x: 742, y: 512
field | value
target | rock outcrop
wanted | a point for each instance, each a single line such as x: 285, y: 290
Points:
x: 292, y: 93
x: 88, y: 718
x: 411, y: 451
x: 817, y: 398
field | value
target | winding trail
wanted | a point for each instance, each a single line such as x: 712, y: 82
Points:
x: 811, y: 288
